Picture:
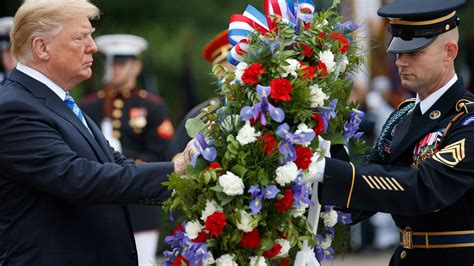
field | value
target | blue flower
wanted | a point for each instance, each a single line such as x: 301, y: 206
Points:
x: 261, y: 108
x: 208, y: 152
x: 301, y: 194
x: 352, y: 125
x: 258, y: 194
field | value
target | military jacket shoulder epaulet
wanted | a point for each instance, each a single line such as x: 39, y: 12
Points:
x: 465, y: 109
x: 405, y: 103
x: 148, y: 96
x: 93, y: 97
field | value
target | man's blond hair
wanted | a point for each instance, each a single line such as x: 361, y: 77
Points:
x: 44, y: 18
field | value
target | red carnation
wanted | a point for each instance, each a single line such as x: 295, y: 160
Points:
x: 319, y: 128
x: 280, y: 90
x: 272, y: 252
x: 179, y: 261
x: 269, y: 143
x: 251, y: 240
x: 307, y: 51
x: 343, y: 43
x: 303, y: 157
x: 308, y: 71
x: 285, y: 203
x: 214, y: 165
x: 202, y: 237
x: 307, y: 26
x: 178, y: 228
x: 284, y: 262
x: 215, y: 223
x: 252, y: 74
x: 321, y: 35
x: 322, y: 69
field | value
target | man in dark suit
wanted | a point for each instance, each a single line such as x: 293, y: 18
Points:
x: 421, y: 170
x: 63, y: 190
x: 136, y: 120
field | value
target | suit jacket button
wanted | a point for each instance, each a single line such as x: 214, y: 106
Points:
x: 403, y: 255
x: 147, y: 201
x: 152, y: 201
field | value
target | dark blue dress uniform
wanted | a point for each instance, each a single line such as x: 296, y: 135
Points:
x: 422, y: 168
x: 430, y: 199
x: 141, y: 122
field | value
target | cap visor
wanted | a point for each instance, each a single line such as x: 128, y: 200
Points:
x: 398, y: 45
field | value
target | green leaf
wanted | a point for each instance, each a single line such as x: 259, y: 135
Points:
x: 335, y: 138
x: 239, y: 170
x: 193, y: 126
x: 223, y: 198
x: 217, y: 188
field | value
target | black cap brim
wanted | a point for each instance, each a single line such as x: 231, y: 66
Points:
x: 398, y: 45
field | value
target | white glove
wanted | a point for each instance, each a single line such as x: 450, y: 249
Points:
x: 316, y: 168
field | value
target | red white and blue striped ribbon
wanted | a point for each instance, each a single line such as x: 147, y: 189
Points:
x: 240, y: 26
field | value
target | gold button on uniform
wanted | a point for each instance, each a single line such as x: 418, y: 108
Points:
x: 117, y: 113
x: 116, y: 123
x: 403, y: 255
x: 118, y: 103
x: 116, y: 134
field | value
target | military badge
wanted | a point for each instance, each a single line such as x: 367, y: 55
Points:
x: 165, y: 130
x: 137, y: 119
x: 427, y: 147
x: 452, y: 154
x: 468, y: 120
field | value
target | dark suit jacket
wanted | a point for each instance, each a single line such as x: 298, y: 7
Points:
x: 62, y: 190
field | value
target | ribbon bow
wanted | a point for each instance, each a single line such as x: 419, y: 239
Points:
x: 252, y: 20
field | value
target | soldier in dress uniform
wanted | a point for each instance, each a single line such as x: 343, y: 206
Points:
x: 135, y: 121
x: 215, y: 52
x: 8, y: 62
x: 421, y: 169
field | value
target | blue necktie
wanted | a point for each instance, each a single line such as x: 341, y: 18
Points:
x: 73, y: 106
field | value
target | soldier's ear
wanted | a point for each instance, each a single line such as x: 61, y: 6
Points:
x: 451, y: 49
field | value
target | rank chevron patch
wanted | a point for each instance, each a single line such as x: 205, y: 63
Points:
x: 452, y: 154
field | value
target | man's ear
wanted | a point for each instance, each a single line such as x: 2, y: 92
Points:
x: 40, y: 47
x: 451, y: 50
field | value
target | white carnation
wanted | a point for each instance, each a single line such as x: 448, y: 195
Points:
x: 327, y: 57
x: 342, y: 64
x: 285, y: 247
x: 327, y: 241
x: 302, y: 130
x: 211, y: 207
x: 239, y: 70
x: 245, y: 222
x: 299, y: 211
x: 226, y: 260
x: 317, y: 96
x: 257, y: 261
x: 329, y: 218
x: 291, y: 68
x: 210, y: 259
x: 286, y: 174
x: 193, y: 228
x: 313, y: 168
x: 247, y: 134
x: 231, y: 184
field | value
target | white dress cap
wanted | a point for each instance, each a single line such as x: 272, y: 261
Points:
x: 121, y: 44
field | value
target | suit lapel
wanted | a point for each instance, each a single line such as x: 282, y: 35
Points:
x: 409, y: 132
x: 54, y: 103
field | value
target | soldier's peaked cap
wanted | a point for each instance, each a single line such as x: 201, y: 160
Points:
x: 415, y: 25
